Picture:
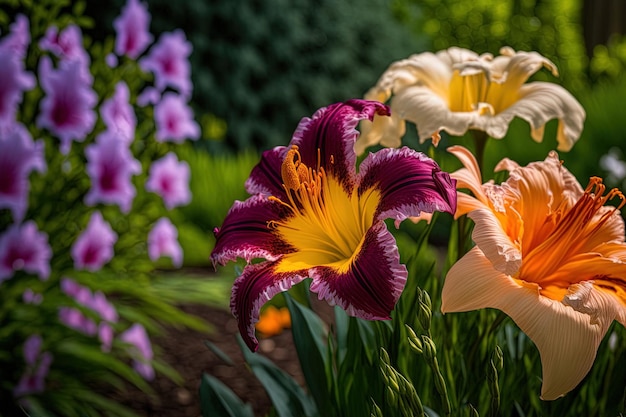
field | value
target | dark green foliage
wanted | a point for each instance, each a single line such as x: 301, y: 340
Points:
x: 551, y: 27
x: 263, y: 65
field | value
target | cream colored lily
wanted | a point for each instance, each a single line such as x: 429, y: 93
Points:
x: 549, y: 254
x: 456, y: 90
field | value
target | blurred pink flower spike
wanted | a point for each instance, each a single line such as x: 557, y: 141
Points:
x: 94, y: 247
x: 110, y: 165
x: 169, y: 178
x: 24, y: 247
x: 15, y: 80
x: 169, y: 61
x: 37, y: 366
x: 174, y: 120
x: 67, y: 108
x: 118, y: 114
x: 66, y: 45
x: 163, y: 241
x: 19, y: 156
x: 140, y: 350
x: 18, y: 39
x: 132, y: 29
x: 75, y: 319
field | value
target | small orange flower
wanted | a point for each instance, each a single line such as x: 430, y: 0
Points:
x: 273, y: 321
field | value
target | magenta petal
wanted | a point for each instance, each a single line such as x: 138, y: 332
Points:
x: 374, y: 282
x: 332, y: 132
x: 265, y: 177
x: 244, y: 233
x: 409, y: 183
x: 258, y: 284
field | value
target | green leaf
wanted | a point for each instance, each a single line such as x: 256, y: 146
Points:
x: 219, y: 353
x: 308, y: 332
x: 288, y: 398
x: 217, y: 400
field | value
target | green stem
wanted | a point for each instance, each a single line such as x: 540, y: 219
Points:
x: 480, y: 142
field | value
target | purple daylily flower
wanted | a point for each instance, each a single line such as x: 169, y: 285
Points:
x: 141, y: 350
x: 174, y: 120
x: 67, y: 108
x: 94, y: 247
x: 24, y: 247
x: 19, y: 156
x: 169, y: 178
x: 311, y: 214
x: 163, y: 241
x: 169, y: 61
x: 118, y: 114
x: 132, y: 29
x: 110, y: 165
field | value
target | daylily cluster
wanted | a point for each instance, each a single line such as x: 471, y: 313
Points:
x: 547, y: 252
x: 68, y: 112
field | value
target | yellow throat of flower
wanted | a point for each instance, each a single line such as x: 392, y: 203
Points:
x: 476, y: 92
x: 327, y: 225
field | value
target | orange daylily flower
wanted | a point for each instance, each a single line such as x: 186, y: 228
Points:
x: 549, y: 254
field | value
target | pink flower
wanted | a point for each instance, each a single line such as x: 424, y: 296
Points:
x: 37, y: 366
x: 19, y: 156
x: 110, y: 165
x: 118, y: 114
x: 94, y: 247
x: 75, y: 319
x: 96, y: 302
x: 67, y: 108
x: 168, y: 60
x: 163, y: 241
x: 169, y: 178
x: 103, y: 307
x: 67, y: 44
x: 149, y: 95
x: 131, y: 27
x: 31, y: 297
x: 174, y: 120
x: 140, y: 350
x: 18, y: 39
x: 23, y: 247
x: 15, y: 80
x: 105, y: 334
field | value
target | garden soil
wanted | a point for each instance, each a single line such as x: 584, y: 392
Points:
x: 185, y: 351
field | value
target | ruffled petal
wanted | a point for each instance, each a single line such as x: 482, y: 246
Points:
x: 258, y: 284
x: 538, y: 103
x: 567, y: 334
x: 468, y: 177
x: 408, y: 181
x: 372, y: 283
x: 495, y: 243
x: 430, y: 112
x: 245, y: 232
x: 265, y: 177
x: 328, y: 137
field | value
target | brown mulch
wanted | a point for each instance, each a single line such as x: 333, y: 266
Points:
x: 186, y: 351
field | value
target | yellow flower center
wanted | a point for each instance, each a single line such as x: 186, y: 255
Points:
x: 476, y: 92
x: 327, y: 224
x: 566, y: 234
